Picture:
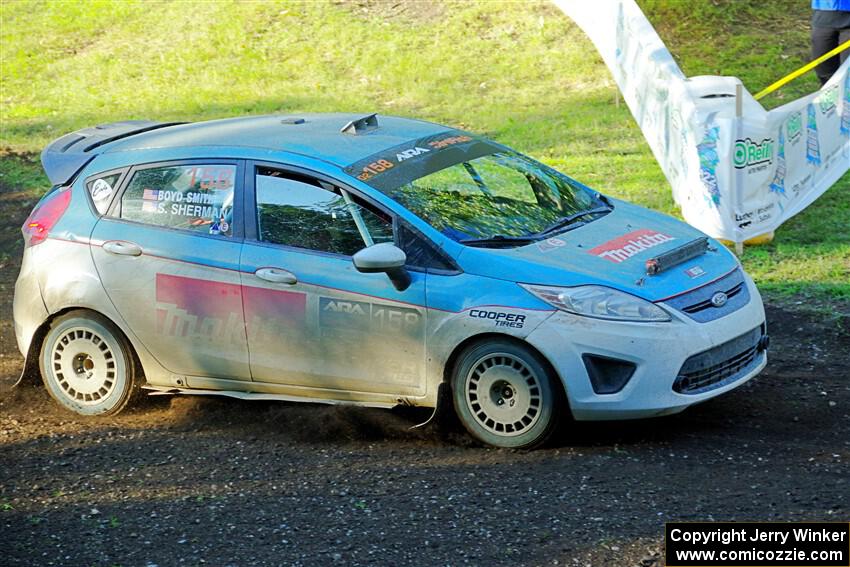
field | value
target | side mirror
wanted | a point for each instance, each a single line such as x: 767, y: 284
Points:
x: 387, y: 258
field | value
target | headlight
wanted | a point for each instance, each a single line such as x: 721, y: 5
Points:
x: 600, y: 302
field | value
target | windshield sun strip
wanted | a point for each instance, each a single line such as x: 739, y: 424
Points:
x: 401, y: 164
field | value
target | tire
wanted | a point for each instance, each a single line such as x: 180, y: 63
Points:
x: 506, y: 395
x: 87, y: 364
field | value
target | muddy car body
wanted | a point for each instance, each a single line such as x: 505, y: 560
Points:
x: 341, y: 259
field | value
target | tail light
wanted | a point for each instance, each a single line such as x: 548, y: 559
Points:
x: 45, y: 215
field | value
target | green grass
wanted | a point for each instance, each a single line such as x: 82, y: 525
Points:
x: 518, y: 71
x: 759, y: 42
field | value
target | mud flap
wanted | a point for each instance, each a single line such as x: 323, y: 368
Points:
x: 444, y: 400
x: 30, y: 373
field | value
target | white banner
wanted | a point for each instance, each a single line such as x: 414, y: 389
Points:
x: 736, y: 170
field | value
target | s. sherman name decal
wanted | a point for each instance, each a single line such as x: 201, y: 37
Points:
x: 624, y: 247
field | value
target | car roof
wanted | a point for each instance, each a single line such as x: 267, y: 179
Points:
x: 315, y: 135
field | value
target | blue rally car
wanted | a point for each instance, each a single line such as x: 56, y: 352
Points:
x: 375, y: 261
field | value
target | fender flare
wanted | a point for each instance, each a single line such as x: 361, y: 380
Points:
x: 30, y: 373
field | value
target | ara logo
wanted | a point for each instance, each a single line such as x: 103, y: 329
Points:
x: 749, y: 153
x: 352, y: 307
x: 412, y: 152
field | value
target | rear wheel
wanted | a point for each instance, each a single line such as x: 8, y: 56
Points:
x: 505, y: 395
x: 86, y: 364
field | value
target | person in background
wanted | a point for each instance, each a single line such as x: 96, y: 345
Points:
x: 830, y: 28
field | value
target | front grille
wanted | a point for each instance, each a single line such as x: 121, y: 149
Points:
x: 721, y: 365
x: 697, y: 305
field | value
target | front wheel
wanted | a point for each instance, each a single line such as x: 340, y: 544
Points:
x: 505, y: 395
x: 86, y: 364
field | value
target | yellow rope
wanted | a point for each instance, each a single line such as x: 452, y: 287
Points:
x: 791, y: 76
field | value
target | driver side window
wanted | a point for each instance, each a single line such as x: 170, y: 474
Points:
x: 299, y: 211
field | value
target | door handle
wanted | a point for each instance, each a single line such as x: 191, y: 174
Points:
x: 122, y: 248
x: 276, y: 275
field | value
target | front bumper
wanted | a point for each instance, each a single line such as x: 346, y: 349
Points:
x: 659, y: 351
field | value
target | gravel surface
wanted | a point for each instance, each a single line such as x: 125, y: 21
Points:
x: 209, y: 481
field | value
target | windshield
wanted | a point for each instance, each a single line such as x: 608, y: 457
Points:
x: 478, y: 192
x: 494, y: 196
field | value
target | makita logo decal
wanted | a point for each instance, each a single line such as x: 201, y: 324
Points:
x: 622, y: 248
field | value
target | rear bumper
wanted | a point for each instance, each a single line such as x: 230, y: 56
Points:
x: 28, y: 308
x: 658, y: 351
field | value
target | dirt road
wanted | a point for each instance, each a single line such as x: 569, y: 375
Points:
x: 205, y: 481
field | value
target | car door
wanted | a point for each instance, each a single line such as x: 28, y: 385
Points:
x: 313, y: 320
x: 168, y: 256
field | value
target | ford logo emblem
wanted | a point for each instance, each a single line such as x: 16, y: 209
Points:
x: 719, y: 299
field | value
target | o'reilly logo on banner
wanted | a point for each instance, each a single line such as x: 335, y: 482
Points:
x: 748, y: 153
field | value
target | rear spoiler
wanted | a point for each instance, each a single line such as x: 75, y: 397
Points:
x: 65, y: 157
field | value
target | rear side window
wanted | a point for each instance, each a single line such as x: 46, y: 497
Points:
x: 102, y: 189
x: 198, y: 198
x: 298, y: 211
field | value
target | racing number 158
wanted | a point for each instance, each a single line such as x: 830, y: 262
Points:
x: 394, y: 319
x: 374, y: 168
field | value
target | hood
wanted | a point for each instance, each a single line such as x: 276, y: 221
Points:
x: 610, y: 251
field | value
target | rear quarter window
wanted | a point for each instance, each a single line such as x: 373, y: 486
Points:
x: 101, y: 189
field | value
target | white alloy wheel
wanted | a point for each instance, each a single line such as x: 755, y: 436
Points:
x: 86, y: 364
x: 504, y: 394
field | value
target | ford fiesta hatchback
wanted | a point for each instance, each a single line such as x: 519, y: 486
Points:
x: 373, y: 261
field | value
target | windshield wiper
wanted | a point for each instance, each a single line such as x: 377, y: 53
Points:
x: 500, y: 239
x: 565, y: 222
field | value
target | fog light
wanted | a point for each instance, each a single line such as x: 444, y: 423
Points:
x: 607, y: 375
x: 764, y: 343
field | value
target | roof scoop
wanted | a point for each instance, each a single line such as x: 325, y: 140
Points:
x: 361, y: 125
